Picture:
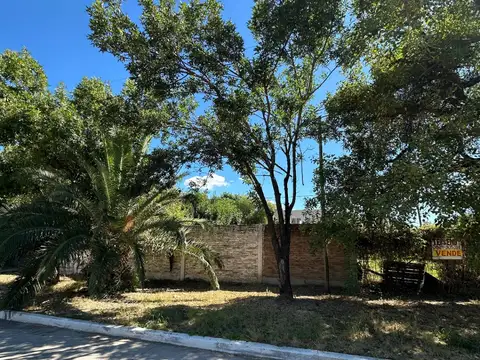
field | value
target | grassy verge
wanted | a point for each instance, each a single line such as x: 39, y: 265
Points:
x: 388, y: 328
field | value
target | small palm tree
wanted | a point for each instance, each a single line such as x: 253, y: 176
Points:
x: 109, y: 227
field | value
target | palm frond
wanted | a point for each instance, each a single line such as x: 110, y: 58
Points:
x: 207, y: 266
x: 162, y: 224
x: 143, y: 151
x: 24, y: 288
x: 154, y: 203
x: 205, y: 252
x: 65, y: 196
x: 201, y: 253
x: 24, y: 227
x: 96, y: 183
x: 139, y: 260
x: 102, y: 182
x: 41, y: 267
x: 47, y: 236
x: 63, y: 249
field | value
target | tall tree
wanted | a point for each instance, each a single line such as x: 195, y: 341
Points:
x: 410, y: 118
x: 38, y: 128
x: 261, y: 105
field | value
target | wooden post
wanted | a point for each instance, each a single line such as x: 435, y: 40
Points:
x: 182, y: 268
x: 323, y: 205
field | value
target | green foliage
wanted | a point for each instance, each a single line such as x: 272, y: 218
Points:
x: 262, y: 106
x: 390, y: 243
x: 226, y: 209
x: 467, y: 230
x: 23, y: 85
x: 407, y: 116
x: 410, y: 122
x: 108, y: 228
x: 43, y: 129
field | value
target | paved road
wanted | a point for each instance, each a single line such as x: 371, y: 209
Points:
x: 25, y: 341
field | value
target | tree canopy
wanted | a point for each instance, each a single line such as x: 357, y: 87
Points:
x: 226, y: 209
x: 409, y: 118
x: 261, y: 105
x: 43, y: 129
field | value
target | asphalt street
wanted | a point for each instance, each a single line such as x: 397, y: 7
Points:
x: 25, y: 341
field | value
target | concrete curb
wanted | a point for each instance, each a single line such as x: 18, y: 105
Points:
x: 198, y: 342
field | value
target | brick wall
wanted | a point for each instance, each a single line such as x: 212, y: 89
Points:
x: 239, y: 248
x: 305, y: 267
x: 158, y: 267
x: 248, y: 256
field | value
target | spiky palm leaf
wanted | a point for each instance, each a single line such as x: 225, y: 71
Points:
x: 201, y: 253
x: 47, y: 235
x: 109, y: 225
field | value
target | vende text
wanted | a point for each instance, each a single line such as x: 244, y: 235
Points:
x: 444, y: 252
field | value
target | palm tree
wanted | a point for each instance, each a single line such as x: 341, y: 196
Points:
x: 110, y: 227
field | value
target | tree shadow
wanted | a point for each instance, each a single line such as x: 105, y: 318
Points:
x: 415, y: 330
x: 398, y: 326
x: 26, y: 341
x: 368, y: 292
x: 201, y: 285
x: 190, y: 285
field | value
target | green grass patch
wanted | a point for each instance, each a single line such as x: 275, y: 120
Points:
x: 462, y: 339
x: 415, y: 328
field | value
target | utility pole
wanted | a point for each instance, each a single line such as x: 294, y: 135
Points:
x: 323, y: 205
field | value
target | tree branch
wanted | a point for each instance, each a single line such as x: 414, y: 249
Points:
x: 471, y: 82
x: 323, y: 82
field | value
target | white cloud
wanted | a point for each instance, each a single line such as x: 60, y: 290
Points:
x: 206, y: 182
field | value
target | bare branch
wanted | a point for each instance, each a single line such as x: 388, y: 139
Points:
x: 314, y: 90
x: 280, y: 167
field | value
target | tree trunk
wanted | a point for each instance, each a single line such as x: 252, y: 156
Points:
x: 419, y: 213
x: 280, y: 242
x: 327, y: 267
x: 283, y: 264
x: 284, y: 275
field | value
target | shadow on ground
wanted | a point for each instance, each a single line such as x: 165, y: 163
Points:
x: 395, y: 329
x: 25, y: 341
x: 417, y: 331
x: 370, y: 292
x: 387, y: 326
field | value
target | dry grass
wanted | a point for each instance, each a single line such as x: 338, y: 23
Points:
x: 388, y: 328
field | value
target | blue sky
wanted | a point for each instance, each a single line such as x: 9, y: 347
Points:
x: 55, y: 33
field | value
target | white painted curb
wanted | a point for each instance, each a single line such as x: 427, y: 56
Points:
x: 198, y: 342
